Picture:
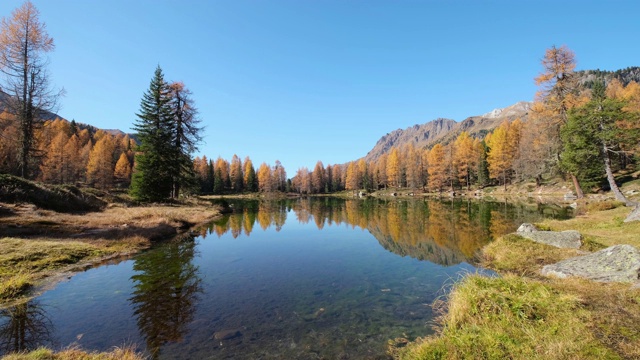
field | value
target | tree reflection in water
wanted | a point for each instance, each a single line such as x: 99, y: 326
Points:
x: 24, y: 327
x: 443, y: 232
x: 166, y: 289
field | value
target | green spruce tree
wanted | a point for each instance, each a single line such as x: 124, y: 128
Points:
x: 594, y: 131
x: 483, y: 167
x: 152, y: 178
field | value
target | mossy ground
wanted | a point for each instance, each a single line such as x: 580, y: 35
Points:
x: 523, y: 315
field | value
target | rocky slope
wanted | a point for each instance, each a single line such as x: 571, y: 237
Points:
x: 446, y: 130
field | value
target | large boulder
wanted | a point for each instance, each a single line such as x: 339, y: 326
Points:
x: 568, y: 239
x: 615, y: 263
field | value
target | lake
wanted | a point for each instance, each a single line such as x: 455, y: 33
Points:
x: 319, y: 278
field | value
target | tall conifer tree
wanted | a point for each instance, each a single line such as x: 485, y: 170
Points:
x: 152, y: 178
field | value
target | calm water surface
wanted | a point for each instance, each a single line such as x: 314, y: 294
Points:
x: 296, y: 279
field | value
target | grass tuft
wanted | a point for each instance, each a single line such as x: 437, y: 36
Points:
x: 118, y: 353
x: 517, y: 255
x: 14, y: 286
x: 509, y: 318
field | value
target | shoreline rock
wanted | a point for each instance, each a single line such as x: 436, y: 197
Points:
x: 568, y: 239
x: 620, y: 263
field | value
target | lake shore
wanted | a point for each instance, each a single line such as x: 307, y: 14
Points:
x: 39, y: 246
x: 84, y: 240
x: 524, y: 315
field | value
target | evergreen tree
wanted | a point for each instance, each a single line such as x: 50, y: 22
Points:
x: 483, y: 166
x: 218, y: 181
x: 594, y: 130
x: 152, y: 179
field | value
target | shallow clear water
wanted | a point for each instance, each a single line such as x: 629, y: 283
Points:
x: 298, y: 279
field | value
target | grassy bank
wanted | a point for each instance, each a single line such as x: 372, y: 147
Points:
x: 77, y: 354
x: 523, y: 315
x: 38, y: 243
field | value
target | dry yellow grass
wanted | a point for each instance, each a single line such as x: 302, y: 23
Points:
x: 530, y: 316
x: 118, y: 353
x: 605, y: 227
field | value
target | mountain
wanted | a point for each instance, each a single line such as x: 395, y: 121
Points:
x: 446, y: 130
x: 587, y: 77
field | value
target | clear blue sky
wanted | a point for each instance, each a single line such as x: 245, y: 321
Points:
x: 307, y: 80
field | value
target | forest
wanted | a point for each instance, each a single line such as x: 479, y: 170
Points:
x: 583, y: 126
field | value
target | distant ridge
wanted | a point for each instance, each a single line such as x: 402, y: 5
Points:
x: 47, y: 115
x: 445, y: 130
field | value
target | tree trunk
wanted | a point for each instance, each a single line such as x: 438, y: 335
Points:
x: 612, y: 181
x: 576, y: 185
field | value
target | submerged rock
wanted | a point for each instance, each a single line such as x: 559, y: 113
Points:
x: 227, y: 334
x: 615, y: 263
x: 568, y: 239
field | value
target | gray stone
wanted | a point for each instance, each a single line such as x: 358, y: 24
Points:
x: 570, y: 196
x: 569, y: 239
x: 615, y: 263
x: 634, y: 216
x: 526, y: 227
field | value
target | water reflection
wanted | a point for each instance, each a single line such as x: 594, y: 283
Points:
x: 290, y: 292
x: 166, y: 288
x: 442, y: 232
x: 23, y: 327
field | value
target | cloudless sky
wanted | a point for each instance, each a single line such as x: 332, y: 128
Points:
x: 306, y: 80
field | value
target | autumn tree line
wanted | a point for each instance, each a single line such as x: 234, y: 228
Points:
x: 584, y: 132
x: 581, y: 131
x: 68, y: 153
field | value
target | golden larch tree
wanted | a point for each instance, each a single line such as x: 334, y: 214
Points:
x: 503, y: 145
x: 101, y: 165
x: 437, y: 167
x: 123, y: 169
x: 236, y: 175
x: 394, y: 168
x: 318, y: 178
x: 351, y: 180
x: 265, y: 178
x: 466, y: 158
x: 24, y: 41
x: 55, y: 163
x: 557, y: 94
x: 74, y: 168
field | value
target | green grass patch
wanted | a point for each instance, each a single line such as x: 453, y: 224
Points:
x: 509, y: 318
x: 22, y: 260
x: 517, y: 255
